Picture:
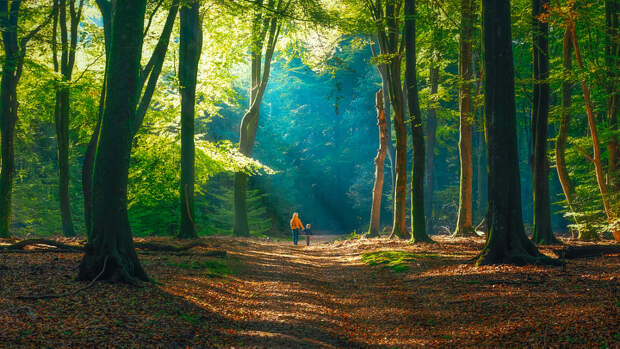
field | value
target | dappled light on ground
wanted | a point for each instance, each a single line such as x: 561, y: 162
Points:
x: 273, y: 294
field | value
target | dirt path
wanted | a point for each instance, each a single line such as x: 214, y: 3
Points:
x: 272, y: 294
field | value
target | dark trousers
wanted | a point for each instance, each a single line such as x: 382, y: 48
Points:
x: 295, y: 236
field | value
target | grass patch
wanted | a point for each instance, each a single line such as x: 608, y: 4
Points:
x: 397, y: 261
x: 213, y: 268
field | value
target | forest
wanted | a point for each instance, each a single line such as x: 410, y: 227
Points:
x: 455, y: 164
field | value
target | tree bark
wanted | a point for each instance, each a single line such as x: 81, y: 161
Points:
x: 612, y: 52
x: 265, y: 33
x: 65, y: 67
x: 377, y: 190
x: 146, y: 87
x: 110, y: 236
x: 464, y: 224
x: 14, y: 54
x: 418, y: 222
x: 506, y: 241
x: 190, y: 47
x: 596, y: 158
x: 561, y: 140
x: 431, y: 139
x: 543, y: 234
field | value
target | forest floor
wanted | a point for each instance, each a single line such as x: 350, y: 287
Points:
x: 350, y: 293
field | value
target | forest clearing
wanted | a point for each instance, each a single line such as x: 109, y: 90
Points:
x: 273, y: 294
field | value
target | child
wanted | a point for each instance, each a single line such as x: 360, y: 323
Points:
x: 308, y: 232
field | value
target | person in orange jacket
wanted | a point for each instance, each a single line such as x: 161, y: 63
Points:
x: 296, y: 227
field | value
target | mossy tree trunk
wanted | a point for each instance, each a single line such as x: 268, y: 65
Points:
x: 64, y: 66
x: 464, y: 223
x: 265, y: 32
x: 149, y: 75
x: 110, y: 240
x: 190, y: 46
x: 543, y: 234
x: 13, y: 62
x: 506, y: 240
x: 377, y: 190
x: 418, y: 222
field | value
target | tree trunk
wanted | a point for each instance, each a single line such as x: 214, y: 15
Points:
x: 506, y: 241
x: 596, y: 158
x: 418, y: 222
x: 612, y: 52
x: 377, y: 190
x: 110, y: 242
x: 464, y: 224
x: 260, y: 70
x: 189, y: 55
x: 431, y: 139
x: 560, y: 143
x: 543, y: 234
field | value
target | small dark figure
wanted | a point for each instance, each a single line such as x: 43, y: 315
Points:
x: 308, y: 232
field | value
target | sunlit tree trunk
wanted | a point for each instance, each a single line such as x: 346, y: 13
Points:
x: 190, y: 45
x: 543, y: 233
x: 506, y: 240
x: 596, y: 158
x: 13, y: 61
x: 110, y: 241
x: 377, y: 191
x: 464, y: 225
x: 265, y: 33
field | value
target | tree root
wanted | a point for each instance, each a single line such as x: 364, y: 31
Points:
x: 50, y: 296
x: 573, y: 252
x: 146, y: 247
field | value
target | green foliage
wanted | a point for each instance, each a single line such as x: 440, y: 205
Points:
x: 397, y: 261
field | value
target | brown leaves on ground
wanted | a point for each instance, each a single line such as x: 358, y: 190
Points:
x: 273, y: 294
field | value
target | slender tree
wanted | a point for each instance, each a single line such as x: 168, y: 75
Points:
x: 464, y: 225
x: 418, y: 222
x: 506, y: 240
x: 149, y: 75
x: 266, y: 27
x: 12, y: 67
x: 110, y: 251
x: 190, y: 46
x: 431, y: 139
x: 612, y: 52
x: 562, y: 138
x: 543, y: 234
x: 377, y: 190
x: 64, y: 66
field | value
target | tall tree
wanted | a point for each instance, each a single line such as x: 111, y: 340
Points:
x: 149, y: 75
x: 266, y: 25
x: 418, y: 222
x: 64, y: 66
x: 612, y: 54
x: 386, y: 16
x: 431, y: 139
x: 12, y: 67
x: 543, y: 233
x: 506, y: 240
x: 377, y: 190
x: 562, y: 138
x: 464, y: 225
x: 190, y: 46
x: 110, y: 251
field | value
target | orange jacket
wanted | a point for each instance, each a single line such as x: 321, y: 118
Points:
x: 296, y: 223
